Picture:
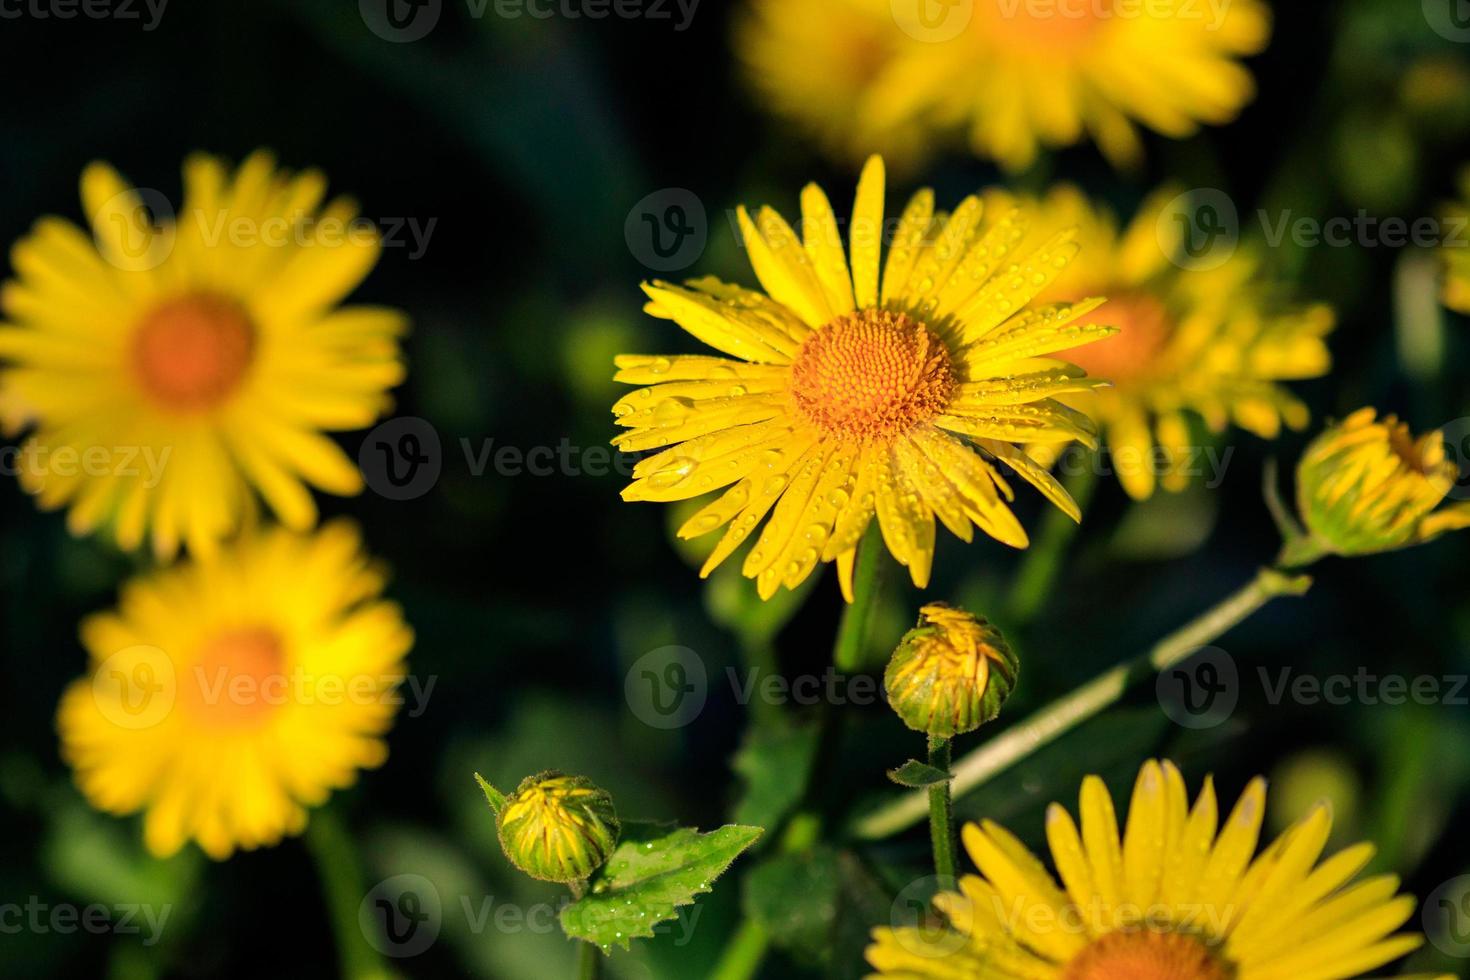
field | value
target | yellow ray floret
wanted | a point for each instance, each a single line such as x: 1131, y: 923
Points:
x: 1178, y: 895
x: 850, y: 394
x: 172, y: 366
x: 227, y: 697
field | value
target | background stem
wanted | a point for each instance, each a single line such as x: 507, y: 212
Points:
x: 343, y: 888
x: 589, y: 961
x: 852, y: 631
x: 1066, y: 713
x: 1044, y: 559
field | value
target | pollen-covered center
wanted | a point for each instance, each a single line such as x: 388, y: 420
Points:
x: 1147, y: 954
x: 191, y: 352
x: 237, y: 678
x: 871, y: 375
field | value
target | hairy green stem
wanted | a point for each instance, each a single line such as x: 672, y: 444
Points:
x: 1066, y: 713
x: 343, y: 887
x: 941, y: 812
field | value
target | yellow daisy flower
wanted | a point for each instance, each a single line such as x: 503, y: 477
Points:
x: 227, y: 696
x: 1018, y: 74
x: 167, y: 370
x: 1456, y: 249
x: 1212, y: 342
x: 1178, y: 897
x: 847, y: 396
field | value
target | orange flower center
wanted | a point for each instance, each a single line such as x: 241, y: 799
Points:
x: 1144, y: 328
x: 190, y: 353
x: 238, y: 678
x: 1044, y: 24
x: 1147, y: 955
x: 871, y: 375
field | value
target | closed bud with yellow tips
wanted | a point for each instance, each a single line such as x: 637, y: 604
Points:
x: 555, y: 827
x: 1366, y: 485
x: 950, y: 673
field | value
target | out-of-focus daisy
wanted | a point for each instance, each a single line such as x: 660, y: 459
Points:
x: 1456, y: 249
x: 189, y: 361
x: 1178, y: 896
x: 1017, y: 74
x: 847, y: 395
x: 228, y: 696
x: 1214, y: 342
x: 822, y: 64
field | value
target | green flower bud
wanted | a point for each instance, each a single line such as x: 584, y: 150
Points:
x: 1367, y: 485
x: 556, y: 827
x: 951, y: 673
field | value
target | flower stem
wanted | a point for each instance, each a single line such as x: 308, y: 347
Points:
x: 589, y: 962
x: 1103, y: 691
x: 743, y: 956
x: 341, y: 876
x: 1044, y: 559
x: 852, y: 632
x: 941, y: 812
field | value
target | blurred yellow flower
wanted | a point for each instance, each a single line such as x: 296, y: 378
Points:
x: 1367, y: 485
x: 1017, y: 74
x: 848, y: 396
x: 821, y: 65
x: 227, y: 696
x: 1456, y: 249
x: 1214, y: 342
x: 169, y: 367
x: 1177, y: 897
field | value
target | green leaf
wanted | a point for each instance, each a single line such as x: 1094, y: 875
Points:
x: 776, y: 762
x: 652, y: 873
x: 794, y: 897
x: 918, y: 775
